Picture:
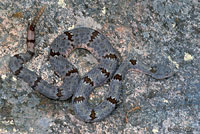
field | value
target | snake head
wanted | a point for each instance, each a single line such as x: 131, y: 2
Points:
x: 160, y: 71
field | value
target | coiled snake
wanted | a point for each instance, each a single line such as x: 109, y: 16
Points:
x: 109, y: 68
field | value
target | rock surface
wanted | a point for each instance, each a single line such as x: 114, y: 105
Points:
x: 158, y: 31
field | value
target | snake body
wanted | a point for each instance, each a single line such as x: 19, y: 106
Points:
x: 109, y: 68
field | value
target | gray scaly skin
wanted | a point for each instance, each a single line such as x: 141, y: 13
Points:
x: 109, y: 68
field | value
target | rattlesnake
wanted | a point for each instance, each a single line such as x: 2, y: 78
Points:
x: 109, y: 69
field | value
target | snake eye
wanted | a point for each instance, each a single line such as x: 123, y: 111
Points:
x: 153, y: 70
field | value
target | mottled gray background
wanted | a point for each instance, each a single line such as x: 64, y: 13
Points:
x: 159, y: 31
